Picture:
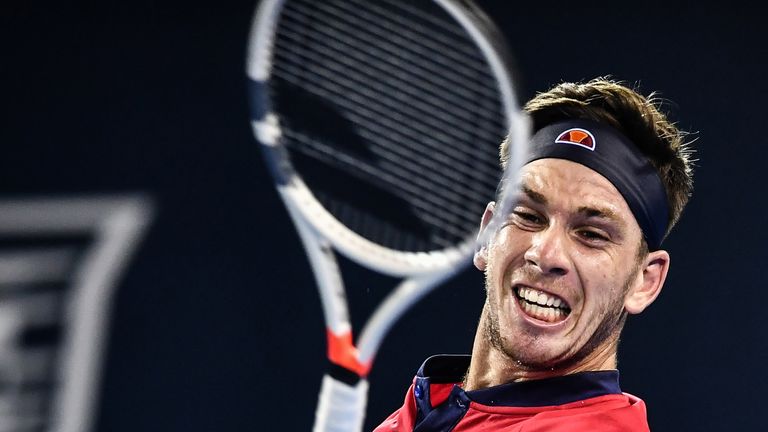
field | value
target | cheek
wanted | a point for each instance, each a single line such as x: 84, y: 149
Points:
x: 610, y: 291
x: 602, y: 287
x: 496, y: 253
x: 508, y: 243
x: 502, y: 240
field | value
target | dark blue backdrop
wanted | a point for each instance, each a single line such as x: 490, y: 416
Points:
x: 217, y: 325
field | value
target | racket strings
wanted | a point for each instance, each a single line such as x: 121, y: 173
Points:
x: 423, y: 111
x: 402, y: 171
x: 406, y: 40
x: 400, y: 89
x: 351, y: 63
x: 377, y: 123
x: 448, y: 219
x: 398, y: 110
x: 450, y: 203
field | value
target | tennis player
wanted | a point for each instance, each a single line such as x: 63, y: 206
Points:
x: 607, y: 179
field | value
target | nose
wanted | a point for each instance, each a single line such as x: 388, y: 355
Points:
x: 548, y: 253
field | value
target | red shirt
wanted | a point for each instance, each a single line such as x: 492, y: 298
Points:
x: 588, y: 401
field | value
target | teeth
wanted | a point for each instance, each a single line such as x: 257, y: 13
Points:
x: 529, y: 295
x: 549, y: 302
x: 543, y: 313
x: 542, y: 300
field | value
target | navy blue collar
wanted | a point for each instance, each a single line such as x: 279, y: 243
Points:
x: 543, y: 392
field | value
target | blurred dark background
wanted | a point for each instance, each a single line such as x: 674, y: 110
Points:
x: 217, y: 325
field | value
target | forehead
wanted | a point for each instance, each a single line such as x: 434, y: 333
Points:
x: 572, y: 186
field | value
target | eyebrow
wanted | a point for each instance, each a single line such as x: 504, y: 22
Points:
x: 587, y: 211
x: 601, y: 213
x: 533, y: 195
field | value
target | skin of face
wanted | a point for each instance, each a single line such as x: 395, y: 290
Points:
x: 571, y: 236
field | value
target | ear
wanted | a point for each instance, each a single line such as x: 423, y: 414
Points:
x: 649, y: 282
x: 481, y: 254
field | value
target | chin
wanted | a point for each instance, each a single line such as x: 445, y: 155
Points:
x: 538, y: 361
x: 537, y: 354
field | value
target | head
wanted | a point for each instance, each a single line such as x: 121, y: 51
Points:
x: 639, y: 118
x: 573, y: 244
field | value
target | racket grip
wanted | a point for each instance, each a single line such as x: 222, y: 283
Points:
x: 341, y: 407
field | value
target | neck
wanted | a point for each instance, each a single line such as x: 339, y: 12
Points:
x: 490, y: 366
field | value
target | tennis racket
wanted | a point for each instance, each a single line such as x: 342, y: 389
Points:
x: 380, y: 122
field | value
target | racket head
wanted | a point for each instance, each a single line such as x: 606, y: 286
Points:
x: 380, y: 122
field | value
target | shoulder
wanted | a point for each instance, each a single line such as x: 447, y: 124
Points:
x: 611, y: 413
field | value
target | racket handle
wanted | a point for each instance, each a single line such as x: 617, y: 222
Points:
x: 341, y: 407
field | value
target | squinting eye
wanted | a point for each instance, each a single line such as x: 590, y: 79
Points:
x: 527, y: 216
x: 592, y: 235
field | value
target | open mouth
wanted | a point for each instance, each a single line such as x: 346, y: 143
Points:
x: 542, y: 306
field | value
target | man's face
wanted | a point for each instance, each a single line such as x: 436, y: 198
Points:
x: 559, y: 269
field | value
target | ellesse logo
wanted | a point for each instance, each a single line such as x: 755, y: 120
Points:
x: 577, y: 136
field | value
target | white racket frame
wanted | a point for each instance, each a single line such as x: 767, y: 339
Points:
x: 341, y: 407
